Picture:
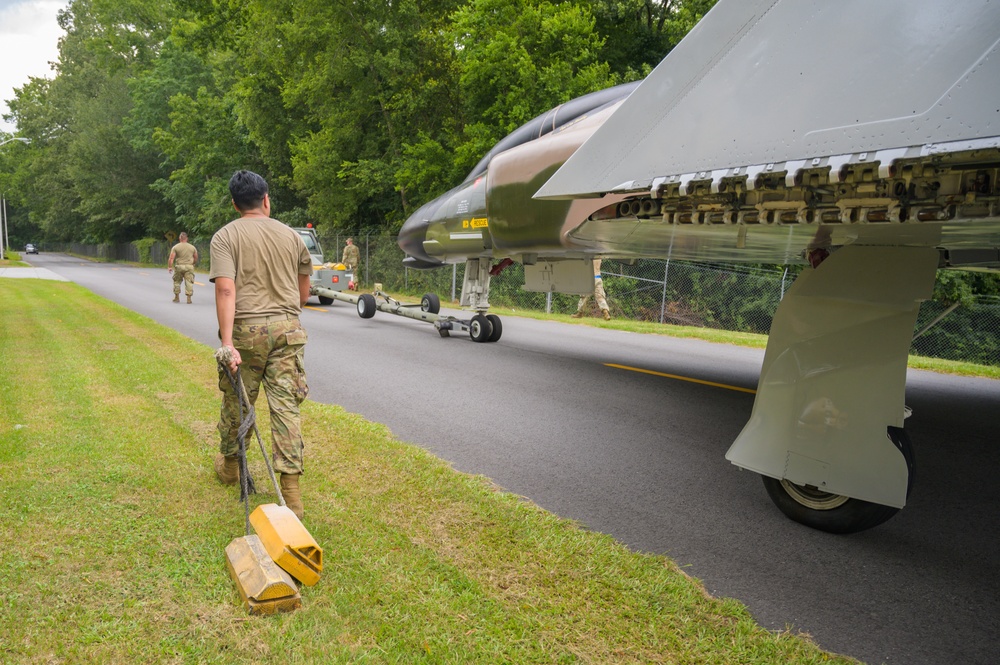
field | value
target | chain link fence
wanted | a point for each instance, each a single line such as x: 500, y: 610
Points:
x: 724, y: 296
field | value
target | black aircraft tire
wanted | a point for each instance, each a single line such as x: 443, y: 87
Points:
x: 497, y: 327
x: 834, y: 513
x: 366, y: 306
x: 480, y: 328
x: 430, y: 303
x: 323, y: 300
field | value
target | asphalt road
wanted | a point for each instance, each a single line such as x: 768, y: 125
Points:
x: 641, y: 457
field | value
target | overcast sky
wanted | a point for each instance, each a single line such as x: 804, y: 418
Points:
x: 29, y: 41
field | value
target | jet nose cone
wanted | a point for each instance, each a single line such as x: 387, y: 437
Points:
x: 414, y: 232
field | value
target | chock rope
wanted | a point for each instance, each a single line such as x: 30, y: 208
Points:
x: 223, y: 356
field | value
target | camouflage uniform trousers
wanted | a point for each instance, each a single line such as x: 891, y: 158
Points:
x: 272, y: 355
x: 185, y: 272
x: 602, y: 301
x: 355, y: 273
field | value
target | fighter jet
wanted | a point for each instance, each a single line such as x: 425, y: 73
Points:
x: 860, y: 138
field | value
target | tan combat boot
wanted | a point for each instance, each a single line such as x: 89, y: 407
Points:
x: 227, y: 469
x: 291, y: 492
x: 189, y: 300
x: 607, y: 315
x: 578, y: 314
x: 177, y: 297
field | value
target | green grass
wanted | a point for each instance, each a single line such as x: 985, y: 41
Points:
x: 12, y: 259
x: 112, y: 530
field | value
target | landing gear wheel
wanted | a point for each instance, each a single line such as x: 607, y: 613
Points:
x: 835, y: 513
x: 480, y: 328
x: 323, y: 300
x: 366, y: 306
x: 430, y: 303
x: 497, y: 327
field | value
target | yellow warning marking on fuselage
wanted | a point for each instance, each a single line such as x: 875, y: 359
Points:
x: 683, y: 378
x: 475, y: 223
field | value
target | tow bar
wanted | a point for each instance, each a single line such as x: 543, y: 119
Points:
x: 481, y: 327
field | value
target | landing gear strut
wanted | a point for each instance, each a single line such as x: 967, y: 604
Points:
x: 482, y: 327
x: 832, y: 382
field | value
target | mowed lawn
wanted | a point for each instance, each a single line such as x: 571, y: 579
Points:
x: 113, y: 526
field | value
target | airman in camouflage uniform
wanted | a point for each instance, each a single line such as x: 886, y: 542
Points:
x: 183, y: 257
x: 261, y: 271
x: 352, y: 259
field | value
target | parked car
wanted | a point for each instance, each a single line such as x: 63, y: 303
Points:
x: 30, y: 249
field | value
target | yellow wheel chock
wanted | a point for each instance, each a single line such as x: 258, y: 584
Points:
x: 287, y: 542
x: 264, y: 587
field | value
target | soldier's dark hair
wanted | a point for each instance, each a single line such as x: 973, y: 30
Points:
x: 247, y: 189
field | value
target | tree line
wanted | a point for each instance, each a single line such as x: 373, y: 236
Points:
x: 356, y: 111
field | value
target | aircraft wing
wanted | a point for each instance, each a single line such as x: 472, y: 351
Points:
x: 779, y: 85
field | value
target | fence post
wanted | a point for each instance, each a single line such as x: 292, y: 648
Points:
x: 454, y: 279
x: 663, y: 298
x: 783, y: 276
x: 548, y: 302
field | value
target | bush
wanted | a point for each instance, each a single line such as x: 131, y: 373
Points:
x: 144, y: 247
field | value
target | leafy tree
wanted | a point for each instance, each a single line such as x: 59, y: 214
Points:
x: 356, y: 111
x: 962, y: 287
x: 206, y: 143
x: 519, y: 58
x: 40, y: 180
x: 20, y: 229
x: 93, y: 182
x: 187, y: 108
x: 352, y: 82
x: 638, y: 34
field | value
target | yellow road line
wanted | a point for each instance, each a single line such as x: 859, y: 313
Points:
x: 315, y: 309
x: 682, y: 378
x: 199, y: 284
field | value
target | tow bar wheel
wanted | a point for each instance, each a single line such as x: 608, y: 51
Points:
x: 430, y: 303
x: 366, y: 306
